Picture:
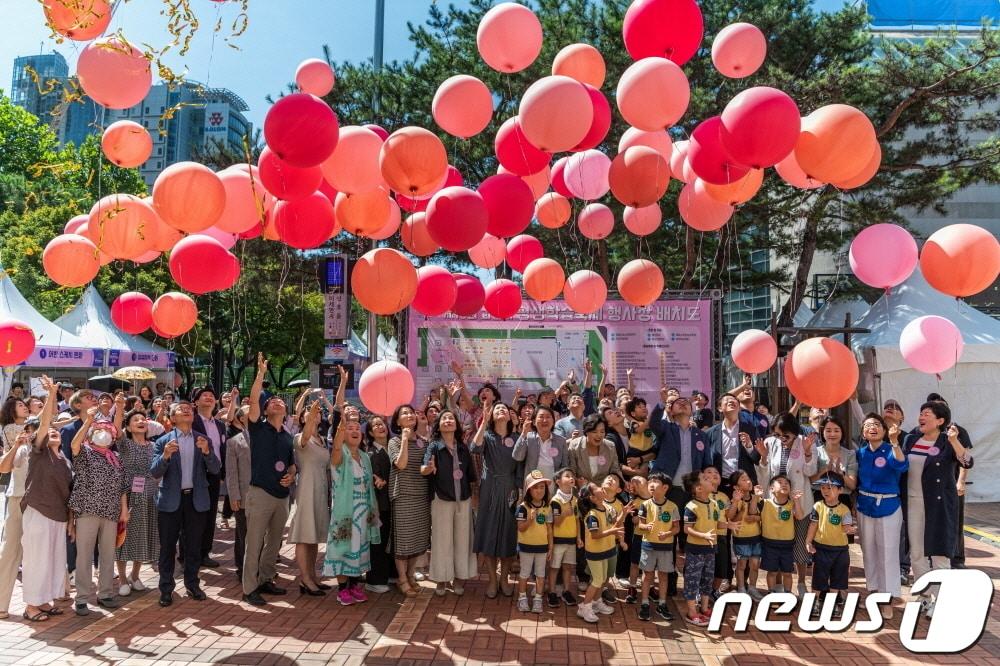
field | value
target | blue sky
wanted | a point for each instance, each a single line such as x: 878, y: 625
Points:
x: 281, y: 34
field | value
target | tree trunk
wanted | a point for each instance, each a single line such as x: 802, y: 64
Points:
x: 806, y: 254
x: 602, y: 261
x: 687, y: 277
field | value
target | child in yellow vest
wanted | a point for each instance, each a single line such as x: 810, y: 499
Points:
x: 745, y: 511
x: 601, y: 528
x: 565, y: 537
x: 659, y: 522
x: 701, y: 523
x: 778, y: 514
x: 829, y: 525
x: 612, y: 485
x: 534, y: 539
x: 723, y: 561
x: 640, y: 493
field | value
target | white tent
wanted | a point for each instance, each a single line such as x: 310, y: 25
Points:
x: 802, y: 315
x: 834, y: 312
x: 970, y: 387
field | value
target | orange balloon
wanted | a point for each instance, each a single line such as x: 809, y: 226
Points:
x: 384, y: 281
x: 544, y: 279
x: 363, y: 214
x: 821, y: 372
x: 581, y: 62
x: 416, y: 239
x: 836, y: 143
x: 354, y: 165
x: 462, y: 106
x: 742, y: 191
x: 413, y: 161
x: 80, y: 20
x: 189, y: 196
x: 658, y: 140
x: 174, y: 313
x: 124, y: 224
x: 653, y: 94
x: 790, y: 172
x: 865, y: 175
x: 391, y: 225
x: 639, y: 176
x: 555, y: 113
x: 553, y: 210
x: 640, y: 282
x: 960, y: 259
x: 127, y: 144
x: 70, y: 260
x: 538, y: 182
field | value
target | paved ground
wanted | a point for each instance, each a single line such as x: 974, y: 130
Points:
x: 433, y: 630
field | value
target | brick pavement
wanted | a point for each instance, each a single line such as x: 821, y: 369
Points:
x: 432, y: 630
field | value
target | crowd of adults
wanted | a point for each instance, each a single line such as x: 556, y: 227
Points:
x: 585, y: 481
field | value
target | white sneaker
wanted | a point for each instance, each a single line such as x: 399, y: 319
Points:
x: 138, y: 586
x: 582, y: 586
x: 124, y: 590
x: 536, y: 604
x: 585, y: 612
x: 624, y: 582
x: 522, y: 605
x: 419, y: 576
x: 377, y: 589
x: 755, y: 594
x: 602, y: 608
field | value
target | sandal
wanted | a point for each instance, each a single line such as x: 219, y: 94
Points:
x: 407, y: 589
x: 51, y: 611
x: 491, y: 590
x: 40, y: 616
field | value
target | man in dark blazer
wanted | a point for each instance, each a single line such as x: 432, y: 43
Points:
x: 732, y: 441
x: 182, y: 460
x: 214, y: 429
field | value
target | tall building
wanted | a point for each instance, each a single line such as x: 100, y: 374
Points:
x: 37, y: 86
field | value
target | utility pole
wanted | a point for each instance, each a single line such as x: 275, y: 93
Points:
x: 376, y: 104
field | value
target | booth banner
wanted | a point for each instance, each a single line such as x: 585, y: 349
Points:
x: 665, y: 344
x: 65, y: 357
x: 118, y: 359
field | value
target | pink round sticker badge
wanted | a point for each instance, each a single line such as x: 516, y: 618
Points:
x: 933, y: 451
x: 279, y: 466
x: 795, y: 453
x: 553, y: 452
x: 508, y: 442
x: 457, y: 475
x: 700, y: 446
x: 880, y: 462
x: 601, y: 460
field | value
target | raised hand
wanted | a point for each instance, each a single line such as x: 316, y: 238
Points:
x: 526, y: 428
x: 761, y: 447
x: 953, y: 433
x: 758, y: 491
x: 807, y: 444
x: 894, y: 433
x: 202, y: 444
x: 261, y: 363
x: 120, y: 401
x: 628, y: 372
x: 343, y: 374
x: 47, y: 383
x: 407, y: 434
x: 746, y: 441
x: 737, y: 495
x: 797, y: 495
x: 456, y: 367
x: 170, y: 449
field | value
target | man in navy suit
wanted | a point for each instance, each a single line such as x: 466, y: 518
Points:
x: 214, y: 429
x: 182, y: 460
x: 732, y: 442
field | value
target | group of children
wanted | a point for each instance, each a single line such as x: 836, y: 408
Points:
x: 591, y: 519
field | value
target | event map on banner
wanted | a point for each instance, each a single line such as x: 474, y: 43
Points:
x: 666, y: 343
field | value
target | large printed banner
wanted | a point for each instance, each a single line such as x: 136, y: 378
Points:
x: 163, y: 359
x: 65, y: 357
x: 668, y: 343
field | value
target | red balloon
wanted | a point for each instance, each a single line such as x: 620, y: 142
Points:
x: 671, y: 29
x: 301, y: 129
x: 307, y: 223
x: 760, y: 126
x: 503, y: 299
x: 509, y: 203
x: 457, y: 218
x: 436, y: 291
x: 469, y: 295
x: 17, y: 341
x: 515, y: 152
x: 174, y: 314
x: 200, y: 264
x: 558, y: 177
x: 522, y: 250
x: 132, y: 312
x: 601, y: 123
x: 378, y: 129
x: 287, y: 182
x: 709, y: 159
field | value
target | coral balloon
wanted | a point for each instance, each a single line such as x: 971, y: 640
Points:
x: 301, y: 129
x: 596, y: 221
x: 126, y: 144
x: 132, y: 312
x: 416, y: 239
x: 247, y: 201
x: 390, y: 227
x: 384, y: 386
x: 306, y: 223
x: 502, y: 299
x: 384, y: 281
x: 509, y: 37
x: 457, y: 218
x: 17, y: 342
x: 640, y: 282
x: 509, y: 202
x: 557, y: 176
x: 865, y: 175
x: 741, y: 191
x: 462, y: 106
x: 489, y: 252
x: 585, y: 292
x: 643, y: 221
x: 760, y: 127
x: 821, y: 372
x: 883, y: 255
x: 515, y: 152
x: 470, y: 295
x: 639, y: 176
x: 164, y: 236
x: 653, y: 94
x: 754, y: 351
x: 739, y: 50
x: 522, y: 250
x: 114, y: 73
x: 174, y: 314
x: 836, y: 143
x: 315, y: 77
x: 75, y: 223
x: 70, y: 260
x: 287, y: 182
x: 122, y: 225
x: 931, y: 344
x: 364, y: 213
x: 699, y: 210
x: 556, y: 113
x: 601, y: 122
x: 80, y: 20
x: 581, y: 62
x: 679, y: 167
x: 152, y: 255
x: 658, y: 140
x: 790, y: 172
x: 553, y: 210
x: 413, y: 161
x: 189, y: 196
x: 960, y: 259
x: 586, y: 174
x: 436, y: 291
x: 666, y: 28
x: 200, y: 264
x: 544, y: 279
x: 708, y: 157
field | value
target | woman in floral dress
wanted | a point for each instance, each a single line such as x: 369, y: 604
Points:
x: 142, y: 539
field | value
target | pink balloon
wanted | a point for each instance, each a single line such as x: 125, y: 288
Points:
x: 436, y: 291
x: 126, y: 143
x: 315, y: 76
x: 653, y: 94
x: 462, y: 106
x: 384, y: 386
x: 489, y: 252
x: 739, y: 50
x: 226, y: 239
x: 586, y: 174
x: 556, y: 113
x: 585, y: 292
x: 883, y: 255
x: 470, y: 295
x: 391, y: 227
x: 522, y: 250
x: 354, y: 167
x: 75, y: 223
x: 679, y: 167
x: 509, y: 37
x: 247, y: 201
x: 306, y: 223
x: 658, y: 140
x: 515, y: 152
x: 287, y: 182
x: 759, y: 127
x: 794, y: 175
x: 601, y: 123
x: 708, y: 157
x: 558, y: 177
x: 666, y: 28
x: 114, y: 73
x: 502, y: 299
x: 200, y: 264
x: 931, y: 344
x: 457, y: 218
x: 596, y: 221
x: 699, y: 210
x: 132, y: 312
x: 754, y: 351
x: 643, y: 221
x: 301, y: 129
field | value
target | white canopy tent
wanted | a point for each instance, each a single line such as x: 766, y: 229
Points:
x: 970, y: 387
x: 833, y: 313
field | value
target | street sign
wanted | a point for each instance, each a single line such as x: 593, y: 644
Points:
x: 337, y: 310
